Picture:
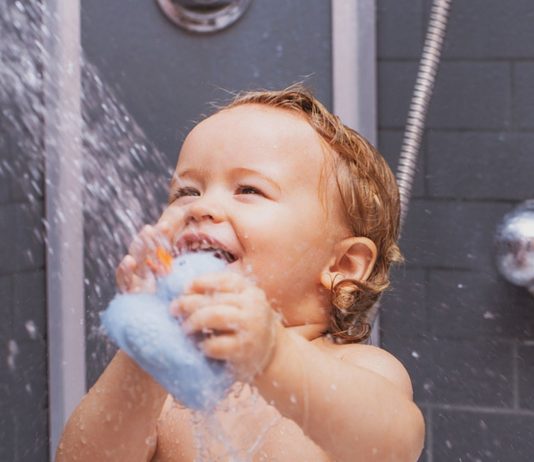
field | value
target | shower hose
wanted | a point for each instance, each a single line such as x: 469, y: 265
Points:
x: 424, y: 84
x: 415, y: 123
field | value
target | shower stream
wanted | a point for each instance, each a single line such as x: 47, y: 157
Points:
x: 124, y: 179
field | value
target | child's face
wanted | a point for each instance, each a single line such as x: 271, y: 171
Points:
x: 249, y: 177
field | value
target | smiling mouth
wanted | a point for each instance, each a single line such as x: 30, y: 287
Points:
x: 205, y: 246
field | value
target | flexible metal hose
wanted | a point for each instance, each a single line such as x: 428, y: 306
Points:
x: 415, y: 124
x: 424, y: 84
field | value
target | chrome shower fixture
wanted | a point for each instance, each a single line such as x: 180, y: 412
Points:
x: 203, y: 16
x: 514, y: 241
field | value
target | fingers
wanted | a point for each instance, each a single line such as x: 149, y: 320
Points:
x: 171, y: 222
x: 222, y: 319
x: 145, y: 246
x: 148, y: 249
x: 187, y: 304
x: 125, y: 273
x: 225, y: 281
x: 148, y: 256
x: 221, y: 346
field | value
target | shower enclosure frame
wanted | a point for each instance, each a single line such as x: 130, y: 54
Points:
x: 63, y: 213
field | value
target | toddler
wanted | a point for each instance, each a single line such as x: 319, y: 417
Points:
x: 306, y: 213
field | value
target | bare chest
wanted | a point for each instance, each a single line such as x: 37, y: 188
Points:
x: 244, y: 428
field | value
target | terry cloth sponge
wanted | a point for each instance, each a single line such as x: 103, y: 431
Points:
x: 141, y: 325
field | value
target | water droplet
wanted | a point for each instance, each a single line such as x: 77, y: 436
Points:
x: 29, y: 255
x: 488, y: 315
x: 415, y: 354
x: 293, y: 398
x: 13, y: 351
x: 31, y: 328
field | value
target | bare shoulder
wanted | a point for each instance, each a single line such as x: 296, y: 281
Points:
x: 374, y: 359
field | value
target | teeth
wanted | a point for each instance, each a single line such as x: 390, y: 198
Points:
x: 223, y: 254
x: 204, y: 245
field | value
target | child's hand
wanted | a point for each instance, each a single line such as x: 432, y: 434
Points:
x: 147, y: 253
x: 235, y: 320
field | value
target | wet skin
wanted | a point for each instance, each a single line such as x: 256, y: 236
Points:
x: 254, y: 181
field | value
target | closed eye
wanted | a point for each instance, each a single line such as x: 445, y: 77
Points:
x: 246, y: 189
x: 183, y: 191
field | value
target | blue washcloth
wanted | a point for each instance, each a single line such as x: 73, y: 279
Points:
x: 140, y: 324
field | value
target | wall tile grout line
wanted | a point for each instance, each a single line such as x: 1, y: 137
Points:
x: 482, y: 130
x: 456, y: 200
x: 487, y: 59
x: 478, y: 409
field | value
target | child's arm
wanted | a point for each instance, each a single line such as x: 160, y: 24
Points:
x: 356, y: 408
x: 117, y: 418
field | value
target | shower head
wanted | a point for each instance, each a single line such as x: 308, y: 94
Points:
x: 203, y: 16
x: 514, y: 242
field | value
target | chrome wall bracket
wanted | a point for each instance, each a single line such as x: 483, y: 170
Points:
x: 514, y: 241
x: 203, y: 16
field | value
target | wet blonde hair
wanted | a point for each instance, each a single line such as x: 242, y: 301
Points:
x: 370, y: 199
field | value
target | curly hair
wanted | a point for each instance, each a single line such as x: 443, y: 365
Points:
x: 370, y: 199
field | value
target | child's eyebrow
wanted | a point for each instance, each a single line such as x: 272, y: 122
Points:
x: 249, y: 171
x: 189, y: 172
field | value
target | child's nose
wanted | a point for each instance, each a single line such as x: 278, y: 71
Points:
x: 204, y: 209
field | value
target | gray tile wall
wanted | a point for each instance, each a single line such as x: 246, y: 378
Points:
x: 465, y: 335
x: 23, y: 373
x: 23, y: 349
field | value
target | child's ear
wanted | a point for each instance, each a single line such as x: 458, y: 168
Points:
x: 354, y: 258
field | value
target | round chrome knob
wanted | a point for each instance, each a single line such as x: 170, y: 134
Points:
x: 203, y: 16
x: 514, y: 241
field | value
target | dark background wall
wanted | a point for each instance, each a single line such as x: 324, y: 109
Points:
x: 466, y: 336
x: 23, y: 371
x: 23, y: 367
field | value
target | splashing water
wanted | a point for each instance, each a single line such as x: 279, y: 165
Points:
x: 31, y: 328
x: 124, y: 175
x: 13, y: 351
